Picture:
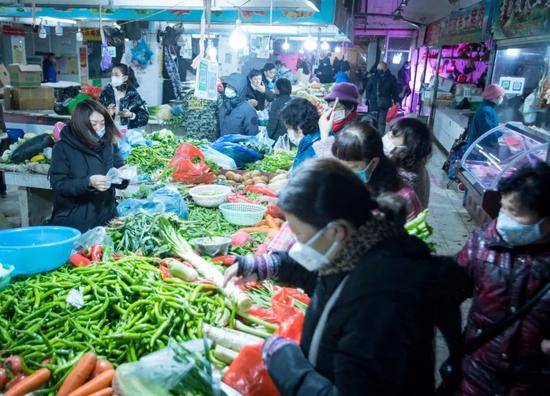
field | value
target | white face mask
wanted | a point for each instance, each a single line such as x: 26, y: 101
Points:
x: 116, y: 81
x: 101, y: 133
x: 389, y: 145
x: 339, y: 115
x: 292, y: 136
x: 517, y: 234
x: 499, y: 101
x: 230, y: 93
x: 308, y: 257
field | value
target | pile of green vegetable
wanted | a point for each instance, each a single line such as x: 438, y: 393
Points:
x: 151, y: 159
x: 128, y: 312
x: 272, y: 163
x: 421, y: 229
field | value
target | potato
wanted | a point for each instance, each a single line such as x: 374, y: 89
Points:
x: 256, y: 173
x: 248, y: 182
x: 222, y: 177
x: 230, y: 175
x: 238, y: 178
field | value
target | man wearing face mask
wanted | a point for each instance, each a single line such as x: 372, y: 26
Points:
x: 369, y: 328
x: 382, y: 92
x: 486, y: 117
x: 236, y: 115
x: 508, y: 262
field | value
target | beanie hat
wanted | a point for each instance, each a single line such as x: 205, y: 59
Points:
x: 493, y: 91
x: 344, y: 92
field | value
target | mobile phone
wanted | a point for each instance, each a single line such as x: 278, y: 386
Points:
x: 333, y: 108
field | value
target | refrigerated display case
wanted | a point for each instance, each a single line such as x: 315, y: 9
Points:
x: 523, y: 70
x: 496, y: 155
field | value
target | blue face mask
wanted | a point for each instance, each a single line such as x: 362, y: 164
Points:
x: 363, y: 175
x: 101, y: 133
x: 517, y: 234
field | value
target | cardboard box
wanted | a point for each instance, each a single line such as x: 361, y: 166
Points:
x: 25, y: 75
x: 38, y: 98
x: 4, y: 76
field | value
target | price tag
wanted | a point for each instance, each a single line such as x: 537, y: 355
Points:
x: 206, y: 83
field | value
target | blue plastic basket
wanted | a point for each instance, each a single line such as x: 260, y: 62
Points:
x: 32, y: 250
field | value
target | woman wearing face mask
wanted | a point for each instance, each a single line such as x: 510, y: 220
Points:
x: 360, y: 148
x: 301, y: 119
x: 236, y: 115
x: 122, y: 99
x: 369, y: 328
x: 508, y: 262
x: 83, y: 197
x: 408, y: 144
x: 346, y: 108
x: 486, y: 117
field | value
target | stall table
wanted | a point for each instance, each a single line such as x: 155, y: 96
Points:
x: 449, y: 124
x: 36, y: 196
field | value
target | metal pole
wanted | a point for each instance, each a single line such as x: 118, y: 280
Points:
x: 436, y: 87
x: 426, y: 62
x: 415, y: 75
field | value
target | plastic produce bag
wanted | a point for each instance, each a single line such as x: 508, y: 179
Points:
x: 94, y: 237
x: 248, y: 375
x: 126, y: 172
x: 189, y: 166
x: 222, y: 160
x: 164, y: 200
x: 282, y: 143
x: 264, y: 138
x: 178, y: 369
x: 243, y: 149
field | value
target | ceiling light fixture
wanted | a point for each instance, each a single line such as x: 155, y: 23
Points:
x: 325, y: 46
x: 58, y: 30
x: 238, y: 39
x: 42, y: 32
x: 79, y: 36
x: 285, y: 46
x: 310, y: 44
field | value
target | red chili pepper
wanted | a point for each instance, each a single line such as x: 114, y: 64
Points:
x: 225, y: 260
x: 261, y: 190
x: 86, y: 252
x: 235, y: 198
x: 79, y: 260
x: 118, y: 256
x: 164, y: 271
x: 274, y: 211
x: 96, y: 253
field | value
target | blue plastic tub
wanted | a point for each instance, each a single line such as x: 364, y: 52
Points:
x: 15, y: 134
x: 32, y: 250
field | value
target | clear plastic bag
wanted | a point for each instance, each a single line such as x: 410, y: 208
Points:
x: 117, y: 176
x: 178, y: 369
x: 263, y: 137
x: 167, y: 199
x: 94, y: 237
x: 282, y: 144
x: 222, y: 160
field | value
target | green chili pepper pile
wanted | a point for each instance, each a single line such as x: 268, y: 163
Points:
x: 128, y: 312
x: 272, y: 163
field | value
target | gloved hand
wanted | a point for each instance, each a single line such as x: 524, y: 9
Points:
x: 251, y: 268
x: 272, y: 345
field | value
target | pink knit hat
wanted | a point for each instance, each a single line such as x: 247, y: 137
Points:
x: 493, y: 91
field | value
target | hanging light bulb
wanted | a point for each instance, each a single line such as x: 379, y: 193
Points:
x: 310, y: 44
x: 79, y: 36
x: 285, y: 46
x: 237, y: 39
x: 337, y: 49
x: 211, y: 51
x: 59, y: 30
x: 301, y: 51
x: 325, y: 46
x: 42, y: 32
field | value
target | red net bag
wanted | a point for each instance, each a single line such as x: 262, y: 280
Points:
x: 189, y: 166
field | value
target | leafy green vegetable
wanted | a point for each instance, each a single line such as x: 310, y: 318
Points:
x: 271, y: 163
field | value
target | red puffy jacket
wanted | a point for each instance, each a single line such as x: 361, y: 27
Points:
x: 504, y: 278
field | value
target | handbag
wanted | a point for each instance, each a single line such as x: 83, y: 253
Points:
x: 451, y: 369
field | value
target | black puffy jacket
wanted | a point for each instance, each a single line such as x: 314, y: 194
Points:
x: 382, y: 91
x: 379, y: 336
x: 76, y: 204
x: 131, y: 101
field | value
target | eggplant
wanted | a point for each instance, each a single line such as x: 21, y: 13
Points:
x: 31, y: 148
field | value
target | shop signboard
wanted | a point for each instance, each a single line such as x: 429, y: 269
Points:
x: 206, y: 80
x: 516, y: 19
x: 462, y: 26
x: 512, y: 85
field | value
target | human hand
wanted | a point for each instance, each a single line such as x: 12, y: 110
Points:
x: 253, y: 102
x: 111, y: 109
x: 326, y: 122
x: 545, y: 346
x: 261, y: 87
x: 126, y: 114
x: 99, y: 182
x: 231, y: 275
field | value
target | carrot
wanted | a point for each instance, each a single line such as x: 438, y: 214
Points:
x: 103, y: 392
x: 31, y: 383
x: 79, y: 374
x: 98, y: 383
x: 257, y: 229
x: 100, y: 366
x: 270, y: 222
